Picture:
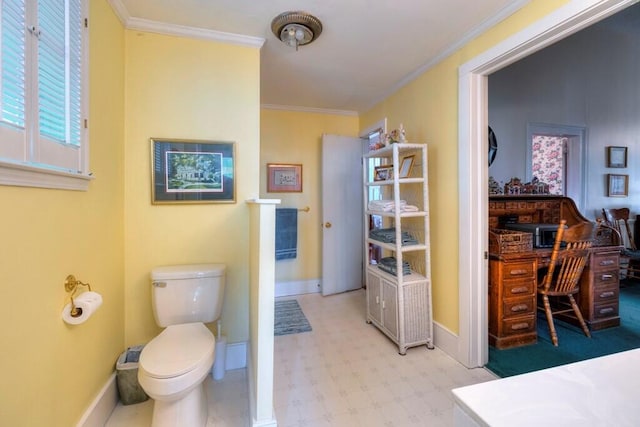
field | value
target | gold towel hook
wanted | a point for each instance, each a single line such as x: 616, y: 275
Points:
x: 71, y: 286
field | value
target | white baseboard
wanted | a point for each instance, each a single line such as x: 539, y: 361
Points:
x: 298, y: 287
x: 105, y: 402
x: 270, y: 423
x: 236, y: 356
x: 445, y: 340
x: 102, y: 406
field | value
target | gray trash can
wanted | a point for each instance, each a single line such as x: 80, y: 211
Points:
x: 127, y: 377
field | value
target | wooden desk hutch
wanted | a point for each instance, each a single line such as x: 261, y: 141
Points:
x: 513, y: 277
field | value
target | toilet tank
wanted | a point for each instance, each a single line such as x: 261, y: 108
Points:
x: 187, y: 293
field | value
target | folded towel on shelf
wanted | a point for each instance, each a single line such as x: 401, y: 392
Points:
x: 388, y: 235
x: 390, y: 206
x: 389, y: 265
x: 384, y: 205
x: 286, y: 233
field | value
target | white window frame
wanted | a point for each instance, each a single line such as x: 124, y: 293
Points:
x: 34, y: 172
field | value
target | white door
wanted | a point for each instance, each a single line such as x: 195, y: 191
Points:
x: 342, y: 214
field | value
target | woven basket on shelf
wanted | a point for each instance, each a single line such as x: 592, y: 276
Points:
x: 509, y: 241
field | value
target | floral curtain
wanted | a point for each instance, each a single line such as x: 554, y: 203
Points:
x: 547, y: 161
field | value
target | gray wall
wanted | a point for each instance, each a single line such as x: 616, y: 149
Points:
x: 590, y: 79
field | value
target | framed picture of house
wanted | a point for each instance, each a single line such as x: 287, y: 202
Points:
x: 617, y: 185
x: 284, y: 178
x: 616, y: 157
x: 192, y: 171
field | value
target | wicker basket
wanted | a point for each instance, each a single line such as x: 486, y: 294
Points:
x: 509, y: 241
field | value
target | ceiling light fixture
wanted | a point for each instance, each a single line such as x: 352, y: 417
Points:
x: 296, y: 28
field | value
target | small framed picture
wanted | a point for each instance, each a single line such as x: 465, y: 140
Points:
x: 192, y: 171
x: 383, y: 173
x: 284, y: 178
x: 406, y: 166
x: 617, y: 157
x: 617, y: 185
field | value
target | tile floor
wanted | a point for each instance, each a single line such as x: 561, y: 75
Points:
x: 342, y: 373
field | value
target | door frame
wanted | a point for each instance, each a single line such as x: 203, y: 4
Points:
x: 473, y: 345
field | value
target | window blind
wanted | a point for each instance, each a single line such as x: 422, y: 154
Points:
x: 12, y: 63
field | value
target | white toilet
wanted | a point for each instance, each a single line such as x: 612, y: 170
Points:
x: 173, y: 365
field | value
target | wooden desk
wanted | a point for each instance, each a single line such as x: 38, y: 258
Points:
x: 513, y: 279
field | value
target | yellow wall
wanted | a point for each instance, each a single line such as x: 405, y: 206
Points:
x: 188, y: 89
x: 296, y: 137
x: 428, y: 109
x: 51, y: 370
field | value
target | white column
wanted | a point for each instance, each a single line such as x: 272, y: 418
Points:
x: 262, y: 225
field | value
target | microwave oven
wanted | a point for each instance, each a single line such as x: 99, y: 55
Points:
x: 544, y: 235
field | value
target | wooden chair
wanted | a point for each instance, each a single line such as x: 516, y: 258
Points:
x: 562, y: 278
x: 618, y: 219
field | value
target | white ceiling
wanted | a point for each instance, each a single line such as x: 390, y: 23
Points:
x: 367, y: 49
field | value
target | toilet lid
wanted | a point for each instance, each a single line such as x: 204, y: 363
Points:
x: 177, y: 350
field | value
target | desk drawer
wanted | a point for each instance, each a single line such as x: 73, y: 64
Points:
x: 605, y: 261
x: 520, y: 325
x: 601, y: 311
x: 514, y: 307
x: 517, y: 270
x: 605, y: 278
x: 518, y: 288
x: 606, y: 294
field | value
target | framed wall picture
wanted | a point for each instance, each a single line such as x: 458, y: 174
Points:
x: 284, y: 178
x: 192, y: 171
x: 617, y: 185
x: 406, y: 165
x: 617, y: 157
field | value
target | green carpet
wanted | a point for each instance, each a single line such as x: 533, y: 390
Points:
x: 289, y: 318
x: 573, y: 345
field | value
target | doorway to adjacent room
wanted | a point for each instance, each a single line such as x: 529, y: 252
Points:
x: 471, y: 346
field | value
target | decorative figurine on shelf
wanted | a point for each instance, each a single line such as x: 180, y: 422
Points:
x: 403, y: 137
x: 384, y: 140
x: 494, y: 186
x: 398, y: 135
x: 513, y: 187
x: 394, y: 136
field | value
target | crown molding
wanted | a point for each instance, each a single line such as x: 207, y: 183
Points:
x: 133, y: 23
x: 192, y: 32
x: 309, y: 110
x: 121, y: 12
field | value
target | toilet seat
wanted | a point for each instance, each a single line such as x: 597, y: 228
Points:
x: 178, y: 350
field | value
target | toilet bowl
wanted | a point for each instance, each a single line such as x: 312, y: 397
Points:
x: 171, y: 371
x: 173, y: 365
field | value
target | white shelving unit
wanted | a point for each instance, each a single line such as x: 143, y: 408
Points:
x: 399, y: 304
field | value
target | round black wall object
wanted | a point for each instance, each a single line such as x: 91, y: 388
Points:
x: 493, y: 146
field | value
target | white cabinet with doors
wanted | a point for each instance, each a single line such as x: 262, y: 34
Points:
x: 396, y: 244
